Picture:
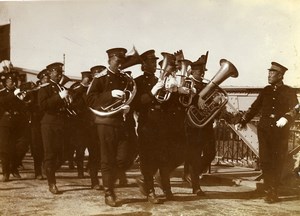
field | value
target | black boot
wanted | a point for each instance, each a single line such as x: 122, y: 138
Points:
x: 168, y: 194
x: 110, y: 197
x: 140, y: 182
x: 80, y: 169
x: 51, y: 181
x: 5, y: 177
x: 152, y: 198
x: 53, y: 189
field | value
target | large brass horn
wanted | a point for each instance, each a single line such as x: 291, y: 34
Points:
x: 118, y: 104
x: 163, y: 94
x: 214, y: 97
x: 185, y: 81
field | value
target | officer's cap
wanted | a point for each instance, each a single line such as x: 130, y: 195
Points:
x: 86, y: 74
x: 277, y: 67
x: 120, y: 52
x: 42, y: 74
x: 150, y: 54
x: 97, y: 69
x: 56, y: 66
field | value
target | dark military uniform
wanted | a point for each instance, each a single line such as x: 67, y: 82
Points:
x: 85, y: 133
x: 147, y: 107
x: 13, y: 125
x: 36, y: 144
x: 274, y: 102
x: 112, y: 132
x: 52, y: 127
x: 201, y: 145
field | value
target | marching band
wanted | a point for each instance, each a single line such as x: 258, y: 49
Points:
x: 163, y: 121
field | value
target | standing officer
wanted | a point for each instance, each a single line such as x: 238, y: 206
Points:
x: 145, y: 105
x: 13, y: 124
x: 53, y: 101
x: 275, y: 102
x: 105, y: 89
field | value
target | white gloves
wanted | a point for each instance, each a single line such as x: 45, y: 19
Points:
x: 17, y: 91
x: 126, y: 109
x: 281, y: 122
x: 19, y: 94
x: 63, y: 94
x: 183, y: 90
x: 117, y: 93
x: 159, y: 85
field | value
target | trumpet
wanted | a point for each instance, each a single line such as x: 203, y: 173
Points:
x: 25, y: 90
x: 67, y: 100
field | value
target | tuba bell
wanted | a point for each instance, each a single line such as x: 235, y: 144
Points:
x: 215, y: 98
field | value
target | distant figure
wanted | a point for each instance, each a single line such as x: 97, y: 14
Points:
x: 275, y: 103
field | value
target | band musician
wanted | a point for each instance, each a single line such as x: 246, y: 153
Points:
x: 107, y: 88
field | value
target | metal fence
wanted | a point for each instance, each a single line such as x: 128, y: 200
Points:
x: 232, y: 151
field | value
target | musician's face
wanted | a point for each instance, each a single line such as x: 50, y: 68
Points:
x: 55, y: 76
x: 116, y: 60
x: 274, y: 77
x: 10, y: 83
x: 150, y: 65
x: 45, y: 79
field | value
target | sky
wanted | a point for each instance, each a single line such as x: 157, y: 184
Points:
x: 250, y: 34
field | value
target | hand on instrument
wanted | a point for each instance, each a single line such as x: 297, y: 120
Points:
x: 201, y: 103
x: 281, y: 122
x: 17, y: 91
x: 159, y: 85
x: 126, y: 109
x: 183, y: 90
x: 117, y: 94
x: 63, y: 94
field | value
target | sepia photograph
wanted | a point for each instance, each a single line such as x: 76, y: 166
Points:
x: 149, y: 107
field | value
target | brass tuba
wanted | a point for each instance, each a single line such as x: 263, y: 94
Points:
x: 118, y: 104
x: 163, y: 94
x: 214, y: 97
x: 185, y: 81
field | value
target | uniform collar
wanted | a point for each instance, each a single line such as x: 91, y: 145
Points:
x: 277, y: 85
x: 113, y: 72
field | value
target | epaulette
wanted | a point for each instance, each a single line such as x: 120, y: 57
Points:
x: 44, y: 85
x: 101, y: 74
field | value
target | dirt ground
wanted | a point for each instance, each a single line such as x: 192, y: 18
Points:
x: 229, y: 191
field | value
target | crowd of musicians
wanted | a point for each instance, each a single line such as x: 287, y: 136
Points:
x: 118, y: 119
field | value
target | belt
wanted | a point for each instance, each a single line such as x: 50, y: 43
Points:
x: 11, y: 113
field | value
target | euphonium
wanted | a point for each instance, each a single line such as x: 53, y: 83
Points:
x: 214, y: 97
x: 118, y: 104
x: 185, y: 81
x: 163, y: 94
